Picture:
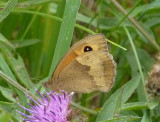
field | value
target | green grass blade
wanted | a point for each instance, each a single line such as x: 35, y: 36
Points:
x: 4, y: 66
x: 59, y: 19
x: 29, y: 25
x: 5, y: 41
x: 33, y: 2
x: 135, y: 53
x: 137, y: 25
x: 50, y: 39
x: 141, y: 89
x: 66, y: 32
x: 25, y: 42
x: 15, y: 84
x: 7, y: 9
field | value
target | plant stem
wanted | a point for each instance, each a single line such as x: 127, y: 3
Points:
x: 136, y: 24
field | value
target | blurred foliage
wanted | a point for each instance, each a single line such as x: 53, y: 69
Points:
x: 34, y: 35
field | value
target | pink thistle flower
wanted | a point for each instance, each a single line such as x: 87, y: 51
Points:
x: 52, y: 107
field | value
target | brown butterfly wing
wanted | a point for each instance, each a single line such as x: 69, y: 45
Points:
x: 102, y: 69
x: 82, y: 70
x: 74, y: 78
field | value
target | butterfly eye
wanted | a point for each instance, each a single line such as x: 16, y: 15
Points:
x: 87, y: 48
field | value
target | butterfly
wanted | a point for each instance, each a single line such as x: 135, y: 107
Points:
x: 86, y: 67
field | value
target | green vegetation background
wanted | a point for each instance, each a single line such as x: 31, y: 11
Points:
x: 35, y: 34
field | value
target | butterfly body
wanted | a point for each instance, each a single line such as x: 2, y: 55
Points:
x: 86, y: 67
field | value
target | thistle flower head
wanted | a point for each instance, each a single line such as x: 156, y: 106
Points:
x: 153, y: 81
x: 51, y: 107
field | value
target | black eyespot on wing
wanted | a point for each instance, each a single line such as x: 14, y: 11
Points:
x: 87, y: 48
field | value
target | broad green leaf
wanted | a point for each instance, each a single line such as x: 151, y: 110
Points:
x: 153, y: 21
x: 148, y: 30
x: 18, y: 67
x: 153, y: 103
x: 11, y: 108
x: 7, y: 93
x: 145, y: 59
x: 21, y: 91
x: 108, y: 109
x: 123, y: 119
x: 146, y: 116
x: 147, y: 7
x: 134, y: 106
x: 118, y: 104
x: 5, y: 117
x: 7, y: 106
x: 20, y: 70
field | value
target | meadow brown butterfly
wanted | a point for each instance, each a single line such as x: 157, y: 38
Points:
x: 86, y: 67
